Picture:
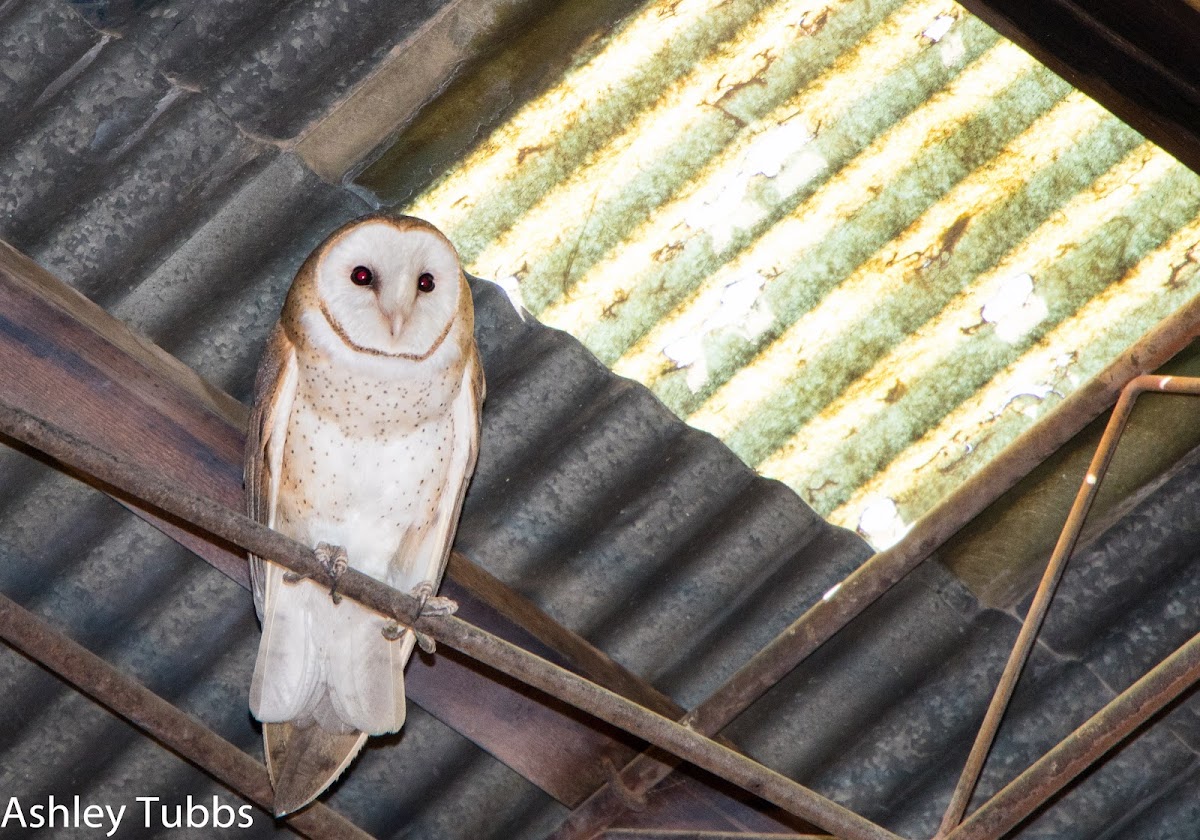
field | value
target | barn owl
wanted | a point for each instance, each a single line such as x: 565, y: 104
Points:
x: 362, y: 439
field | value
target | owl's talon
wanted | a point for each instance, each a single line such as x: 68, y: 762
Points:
x: 422, y: 592
x: 335, y: 561
x: 439, y: 605
x: 425, y: 642
x: 427, y: 604
x: 393, y: 631
x: 430, y: 604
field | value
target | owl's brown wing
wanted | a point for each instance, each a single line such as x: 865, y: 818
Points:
x: 274, y: 391
x: 300, y: 762
x: 466, y: 416
x: 427, y: 559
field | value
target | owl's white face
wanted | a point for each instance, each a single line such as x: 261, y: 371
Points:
x: 389, y: 291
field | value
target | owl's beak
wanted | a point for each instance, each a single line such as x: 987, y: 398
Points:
x: 395, y: 307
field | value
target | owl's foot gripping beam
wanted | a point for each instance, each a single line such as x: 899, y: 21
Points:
x: 335, y: 561
x: 429, y: 604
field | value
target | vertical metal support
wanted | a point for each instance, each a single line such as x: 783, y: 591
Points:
x: 1083, y: 747
x: 1045, y: 592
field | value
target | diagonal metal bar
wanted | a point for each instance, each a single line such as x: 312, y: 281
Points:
x: 582, y: 654
x: 174, y: 729
x: 197, y: 512
x: 1050, y: 579
x: 662, y: 732
x: 884, y: 570
x: 1083, y: 747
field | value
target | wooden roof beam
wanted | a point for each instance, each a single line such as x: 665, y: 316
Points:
x: 1136, y: 59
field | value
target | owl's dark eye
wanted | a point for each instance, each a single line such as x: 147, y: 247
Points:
x: 425, y: 282
x: 360, y: 275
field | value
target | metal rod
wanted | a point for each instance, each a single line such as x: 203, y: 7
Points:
x: 1083, y: 747
x: 484, y: 647
x: 174, y: 729
x: 662, y: 732
x: 1050, y: 579
x: 884, y: 570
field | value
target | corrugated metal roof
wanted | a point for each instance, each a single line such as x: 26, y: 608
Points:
x: 189, y: 228
x: 157, y: 195
x: 866, y: 244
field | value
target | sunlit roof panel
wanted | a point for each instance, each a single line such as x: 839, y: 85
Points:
x: 866, y: 244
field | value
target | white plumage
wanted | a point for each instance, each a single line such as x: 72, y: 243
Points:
x: 364, y: 436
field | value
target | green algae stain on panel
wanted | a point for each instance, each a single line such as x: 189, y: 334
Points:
x: 865, y: 243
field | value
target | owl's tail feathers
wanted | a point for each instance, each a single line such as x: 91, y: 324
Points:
x: 325, y: 662
x: 304, y: 761
x: 326, y: 677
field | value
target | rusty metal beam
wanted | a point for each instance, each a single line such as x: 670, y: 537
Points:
x: 65, y: 358
x: 174, y: 729
x: 1050, y: 579
x: 590, y: 660
x: 548, y: 743
x: 884, y: 570
x: 1131, y: 58
x: 1083, y: 747
x: 191, y: 510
